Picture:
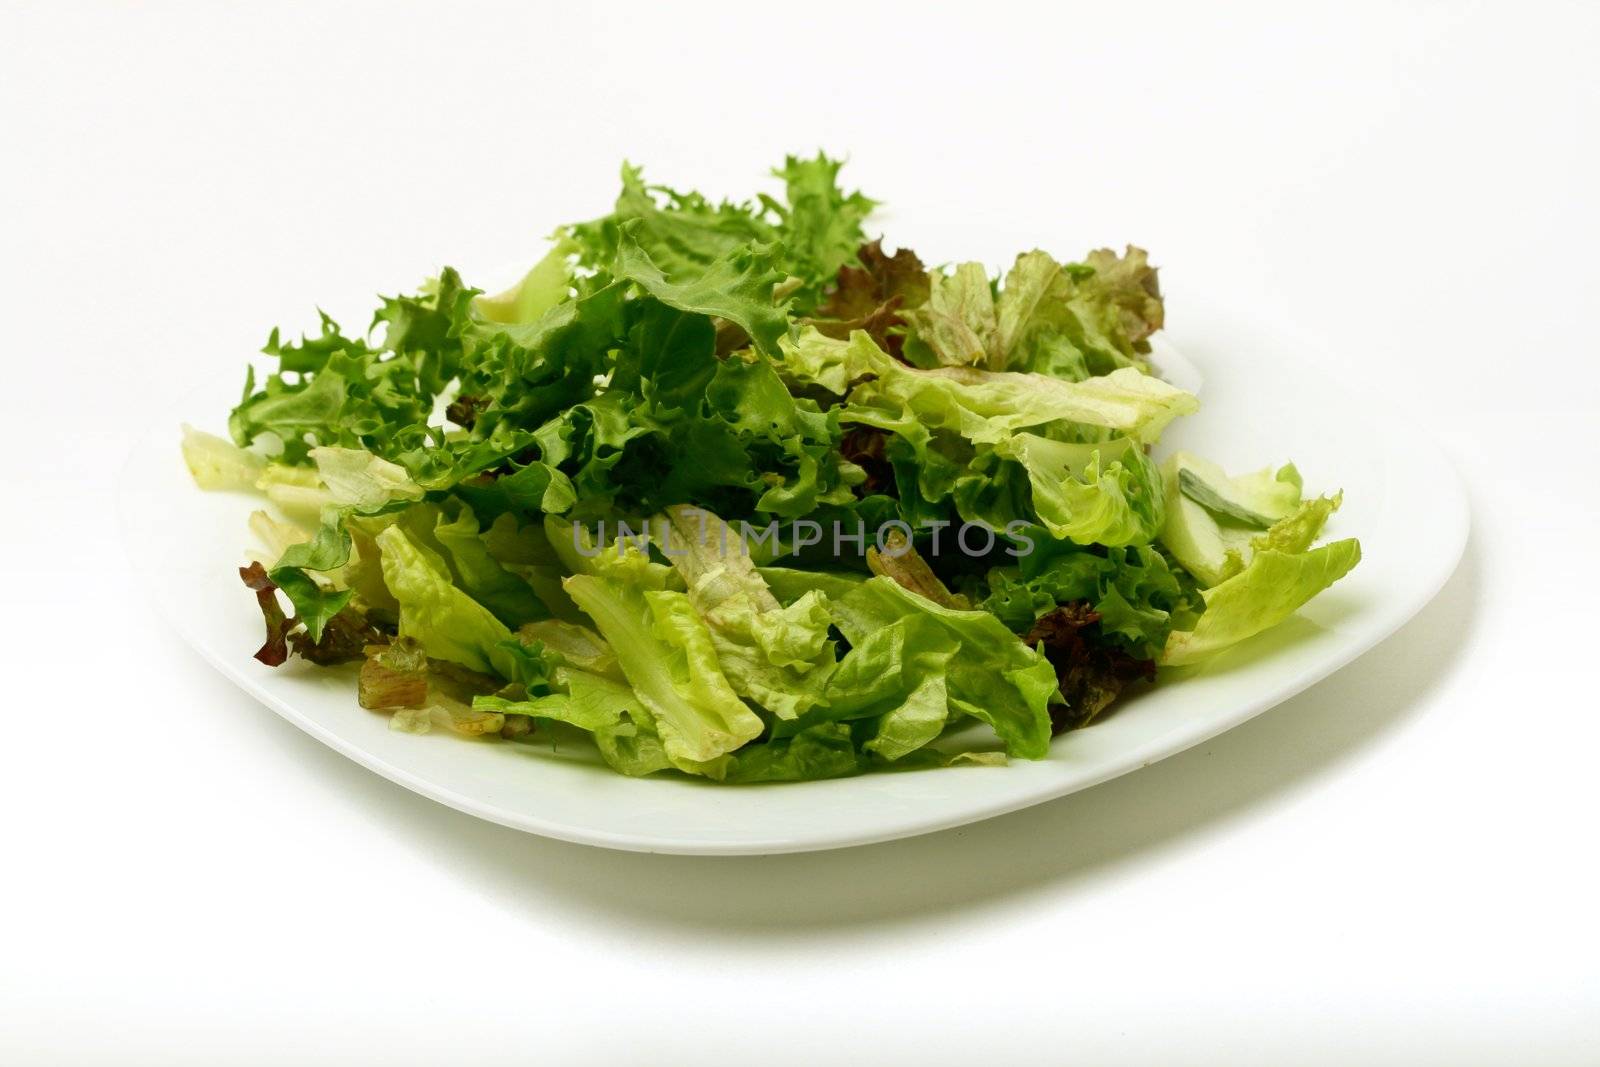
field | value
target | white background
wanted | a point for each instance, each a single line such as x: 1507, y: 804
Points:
x: 1399, y: 866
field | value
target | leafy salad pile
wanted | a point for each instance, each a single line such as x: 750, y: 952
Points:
x: 447, y: 489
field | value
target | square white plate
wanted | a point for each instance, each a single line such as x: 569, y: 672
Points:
x: 1264, y: 401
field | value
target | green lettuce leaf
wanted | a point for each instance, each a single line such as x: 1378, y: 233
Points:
x: 509, y: 597
x: 356, y: 477
x: 525, y: 373
x: 682, y: 232
x: 328, y: 551
x: 812, y: 358
x: 666, y: 653
x: 217, y: 464
x: 1119, y: 305
x: 625, y: 732
x: 1108, y: 494
x: 445, y: 621
x: 572, y: 645
x: 1004, y: 447
x: 1081, y: 319
x: 789, y: 584
x: 670, y: 359
x: 993, y: 677
x: 988, y: 407
x: 547, y: 283
x: 1299, y: 529
x: 822, y: 751
x: 1069, y: 321
x: 1215, y: 522
x: 736, y: 286
x: 896, y: 681
x: 1139, y: 596
x: 956, y: 326
x: 622, y: 727
x: 1033, y: 302
x: 777, y: 655
x: 820, y: 228
x: 1273, y: 586
x: 813, y: 234
x: 344, y: 392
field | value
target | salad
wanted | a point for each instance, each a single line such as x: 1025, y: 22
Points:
x: 731, y: 491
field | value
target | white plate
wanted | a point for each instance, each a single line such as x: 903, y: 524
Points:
x: 1264, y: 401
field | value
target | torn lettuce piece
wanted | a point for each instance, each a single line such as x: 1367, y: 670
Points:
x: 789, y: 584
x: 737, y: 286
x: 670, y: 360
x: 955, y: 327
x: 315, y: 601
x: 297, y: 491
x: 445, y: 621
x: 964, y: 323
x: 682, y: 232
x: 1139, y: 597
x: 901, y: 562
x: 1295, y: 532
x: 394, y: 676
x: 609, y: 710
x: 356, y: 477
x: 1271, y: 587
x: 1126, y: 293
x: 896, y: 679
x: 343, y: 391
x: 1108, y: 494
x: 1114, y: 306
x: 572, y: 645
x: 822, y: 751
x: 218, y: 464
x: 820, y: 228
x: 1214, y: 531
x: 632, y: 747
x: 525, y: 551
x: 547, y: 283
x: 987, y: 407
x: 815, y: 232
x: 1066, y: 320
x: 276, y: 536
x: 1092, y: 669
x: 1258, y: 499
x: 666, y: 653
x: 1033, y: 301
x: 626, y: 734
x: 624, y: 557
x: 624, y: 729
x: 873, y: 296
x: 914, y: 721
x: 777, y: 655
x: 510, y: 597
x: 993, y: 676
x: 811, y: 358
x: 726, y: 587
